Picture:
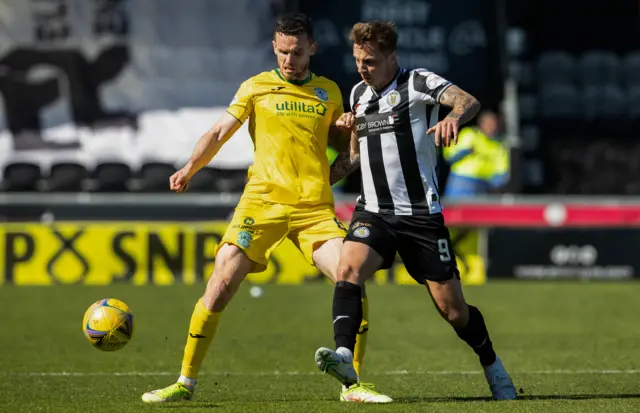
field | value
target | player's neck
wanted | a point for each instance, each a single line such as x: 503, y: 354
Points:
x: 300, y: 80
x: 388, y: 81
x: 302, y: 76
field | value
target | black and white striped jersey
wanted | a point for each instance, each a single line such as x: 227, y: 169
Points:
x: 397, y: 158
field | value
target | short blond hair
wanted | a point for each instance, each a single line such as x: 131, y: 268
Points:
x: 384, y: 34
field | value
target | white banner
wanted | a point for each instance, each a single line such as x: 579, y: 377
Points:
x: 137, y: 80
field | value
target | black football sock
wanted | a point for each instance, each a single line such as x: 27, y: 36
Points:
x: 475, y: 334
x: 347, y: 314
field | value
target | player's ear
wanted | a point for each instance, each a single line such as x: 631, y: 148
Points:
x: 393, y: 57
x: 314, y: 47
x: 273, y: 42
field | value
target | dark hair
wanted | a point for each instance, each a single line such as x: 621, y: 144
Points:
x: 384, y: 34
x: 293, y: 24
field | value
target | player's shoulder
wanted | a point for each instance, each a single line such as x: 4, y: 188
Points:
x: 322, y: 83
x: 425, y: 79
x: 259, y: 78
x: 327, y: 83
x: 420, y: 75
x: 358, y: 86
x: 358, y: 90
x: 421, y: 71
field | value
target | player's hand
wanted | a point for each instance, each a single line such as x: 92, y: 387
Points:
x: 179, y: 181
x: 445, y: 132
x: 346, y: 121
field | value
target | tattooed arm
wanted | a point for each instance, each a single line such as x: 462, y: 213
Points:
x: 464, y: 108
x: 346, y: 162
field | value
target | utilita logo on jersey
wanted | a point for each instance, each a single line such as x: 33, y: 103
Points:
x: 375, y: 124
x: 300, y: 109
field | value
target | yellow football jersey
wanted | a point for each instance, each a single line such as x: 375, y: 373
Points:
x: 289, y: 124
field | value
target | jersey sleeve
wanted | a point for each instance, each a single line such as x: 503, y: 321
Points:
x: 355, y: 94
x: 352, y: 98
x: 339, y: 107
x: 241, y: 106
x: 429, y: 86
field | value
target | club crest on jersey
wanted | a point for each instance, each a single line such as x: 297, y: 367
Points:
x: 321, y: 94
x: 393, y: 98
x: 361, y: 232
x: 244, y: 239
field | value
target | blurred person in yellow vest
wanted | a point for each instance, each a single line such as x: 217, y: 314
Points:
x: 479, y: 162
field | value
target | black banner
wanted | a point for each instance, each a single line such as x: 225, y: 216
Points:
x: 563, y: 253
x: 457, y: 40
x: 54, y: 67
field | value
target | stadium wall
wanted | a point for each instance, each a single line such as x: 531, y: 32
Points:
x: 137, y: 81
x: 149, y: 239
x: 140, y: 253
x: 167, y: 239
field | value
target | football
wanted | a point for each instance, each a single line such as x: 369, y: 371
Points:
x: 108, y: 324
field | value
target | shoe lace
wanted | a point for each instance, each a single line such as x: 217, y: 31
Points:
x: 366, y: 386
x: 329, y: 364
x: 175, y: 386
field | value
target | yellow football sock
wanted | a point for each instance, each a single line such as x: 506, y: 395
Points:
x: 361, y: 338
x: 204, y: 324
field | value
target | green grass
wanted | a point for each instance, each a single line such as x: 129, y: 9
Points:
x: 538, y: 328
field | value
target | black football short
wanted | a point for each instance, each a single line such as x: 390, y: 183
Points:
x: 422, y: 241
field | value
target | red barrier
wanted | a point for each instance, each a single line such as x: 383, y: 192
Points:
x: 531, y: 215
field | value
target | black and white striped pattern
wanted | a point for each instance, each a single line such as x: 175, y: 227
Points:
x: 398, y: 160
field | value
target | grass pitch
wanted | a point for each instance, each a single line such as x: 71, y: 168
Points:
x: 572, y: 347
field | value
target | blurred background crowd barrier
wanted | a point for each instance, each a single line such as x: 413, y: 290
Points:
x: 101, y: 101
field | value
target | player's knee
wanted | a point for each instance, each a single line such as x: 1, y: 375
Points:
x: 218, y: 293
x: 231, y: 268
x: 349, y: 273
x: 457, y: 316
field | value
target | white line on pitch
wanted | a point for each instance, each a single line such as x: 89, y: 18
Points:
x: 305, y: 373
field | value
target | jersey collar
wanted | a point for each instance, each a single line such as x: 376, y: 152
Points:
x: 295, y: 82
